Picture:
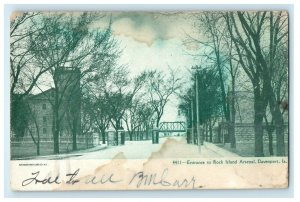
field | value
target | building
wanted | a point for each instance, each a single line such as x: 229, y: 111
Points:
x: 244, y: 126
x: 66, y: 98
x: 36, y: 134
x: 41, y: 114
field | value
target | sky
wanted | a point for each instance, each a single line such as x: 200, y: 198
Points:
x: 155, y: 41
x: 149, y: 40
x: 152, y: 40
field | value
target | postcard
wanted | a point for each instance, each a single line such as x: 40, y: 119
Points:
x: 149, y: 100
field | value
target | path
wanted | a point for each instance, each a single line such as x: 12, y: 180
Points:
x: 169, y: 147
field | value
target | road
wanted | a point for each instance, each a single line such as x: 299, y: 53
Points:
x: 169, y: 147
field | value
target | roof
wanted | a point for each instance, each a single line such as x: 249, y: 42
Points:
x: 43, y: 95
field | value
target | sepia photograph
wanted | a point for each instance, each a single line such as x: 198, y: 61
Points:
x: 130, y: 100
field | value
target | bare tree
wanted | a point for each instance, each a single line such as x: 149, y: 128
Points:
x: 33, y: 126
x: 121, y: 98
x: 72, y: 53
x: 137, y: 117
x: 278, y: 104
x: 211, y: 24
x: 217, y: 52
x: 185, y: 107
x: 233, y: 66
x: 160, y: 88
x: 101, y: 114
x: 146, y: 117
x: 132, y: 118
x: 257, y: 49
x: 210, y: 98
x: 23, y: 74
x: 87, y: 119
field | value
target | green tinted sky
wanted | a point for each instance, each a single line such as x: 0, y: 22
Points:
x: 155, y: 41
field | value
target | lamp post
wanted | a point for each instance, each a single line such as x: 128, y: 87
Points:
x: 197, y: 109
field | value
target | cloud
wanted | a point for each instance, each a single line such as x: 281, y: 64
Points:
x: 146, y: 27
x: 127, y: 27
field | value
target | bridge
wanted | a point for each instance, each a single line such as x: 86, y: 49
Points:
x: 177, y: 126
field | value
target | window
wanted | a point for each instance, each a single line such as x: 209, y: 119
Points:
x: 44, y: 130
x: 44, y: 119
x: 44, y: 106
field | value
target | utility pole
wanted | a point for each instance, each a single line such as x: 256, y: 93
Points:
x: 197, y: 109
x: 192, y: 118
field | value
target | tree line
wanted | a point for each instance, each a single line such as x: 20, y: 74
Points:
x: 240, y: 47
x: 46, y: 45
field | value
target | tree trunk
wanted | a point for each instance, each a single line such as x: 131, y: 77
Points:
x: 280, y: 145
x: 210, y: 131
x: 279, y: 125
x: 103, y: 136
x: 223, y: 93
x: 153, y: 139
x: 188, y: 136
x: 270, y: 129
x: 157, y: 132
x: 147, y: 132
x: 259, y: 112
x: 219, y: 134
x: 86, y: 140
x: 206, y: 131
x: 38, y: 143
x: 270, y: 137
x: 56, y: 141
x: 74, y: 145
x: 38, y: 135
x: 232, y: 122
x: 278, y: 121
x: 38, y: 149
x: 74, y: 136
x: 142, y: 133
x: 56, y: 132
x: 56, y: 121
x: 117, y: 132
x: 258, y: 131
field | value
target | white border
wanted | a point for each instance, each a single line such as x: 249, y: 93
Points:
x: 260, y: 4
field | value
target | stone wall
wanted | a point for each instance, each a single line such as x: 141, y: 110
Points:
x: 245, y: 133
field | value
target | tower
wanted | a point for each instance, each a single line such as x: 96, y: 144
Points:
x: 69, y: 94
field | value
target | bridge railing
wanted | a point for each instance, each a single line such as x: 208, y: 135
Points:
x: 177, y: 126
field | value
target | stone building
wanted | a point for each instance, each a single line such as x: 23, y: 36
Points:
x: 38, y: 114
x: 244, y: 126
x: 67, y: 98
x: 41, y: 114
